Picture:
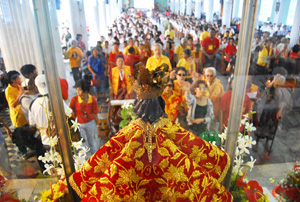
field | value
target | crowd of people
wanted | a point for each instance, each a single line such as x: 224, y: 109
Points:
x: 196, y: 53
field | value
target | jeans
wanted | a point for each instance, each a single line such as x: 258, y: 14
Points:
x: 100, y: 89
x: 89, y: 132
x: 76, y: 73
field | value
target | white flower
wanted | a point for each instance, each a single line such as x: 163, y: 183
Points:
x: 249, y: 141
x: 249, y: 127
x: 42, y: 158
x: 251, y: 163
x: 75, y: 125
x: 238, y: 161
x: 53, y: 141
x: 223, y: 136
x: 245, y: 180
x: 245, y: 119
x: 60, y: 171
x: 241, y: 141
x: 125, y: 106
x: 214, y: 143
x: 237, y: 151
x: 48, y: 168
x: 244, y: 149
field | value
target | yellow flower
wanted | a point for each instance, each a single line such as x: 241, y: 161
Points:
x: 136, y: 196
x: 127, y: 177
x: 198, y: 154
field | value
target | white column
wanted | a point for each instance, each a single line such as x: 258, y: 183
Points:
x: 19, y: 42
x: 197, y: 9
x: 295, y: 33
x: 189, y: 7
x: 102, y: 18
x: 210, y: 10
x: 77, y: 18
x: 257, y: 14
x: 227, y: 8
x: 182, y: 7
x: 111, y: 8
x: 235, y: 10
x: 172, y: 6
x: 120, y: 4
x: 177, y: 3
x: 93, y: 21
x: 108, y: 16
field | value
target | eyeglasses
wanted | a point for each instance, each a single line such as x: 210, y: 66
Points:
x: 209, y: 75
x: 181, y: 74
x: 170, y: 85
x: 201, y: 88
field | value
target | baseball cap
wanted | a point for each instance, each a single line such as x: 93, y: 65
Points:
x: 40, y: 82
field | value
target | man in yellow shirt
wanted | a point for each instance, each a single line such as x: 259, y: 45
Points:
x: 75, y: 55
x: 204, y: 34
x: 179, y: 50
x: 131, y: 44
x: 157, y: 59
x: 170, y: 32
x: 13, y: 93
x: 264, y: 55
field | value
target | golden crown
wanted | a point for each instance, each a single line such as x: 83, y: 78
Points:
x: 149, y: 84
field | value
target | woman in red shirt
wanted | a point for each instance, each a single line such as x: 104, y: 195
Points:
x: 85, y: 109
x: 230, y: 51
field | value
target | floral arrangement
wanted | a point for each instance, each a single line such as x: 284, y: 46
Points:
x: 241, y: 188
x: 289, y: 187
x: 56, y: 193
x: 54, y: 166
x: 127, y: 114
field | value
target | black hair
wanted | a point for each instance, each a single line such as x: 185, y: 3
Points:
x: 78, y: 36
x: 83, y: 84
x: 180, y: 68
x: 196, y: 85
x: 12, y: 75
x: 119, y: 56
x: 130, y: 50
x: 205, y: 27
x: 197, y: 45
x: 27, y: 69
x: 88, y: 53
x: 169, y: 44
x: 296, y: 48
x: 188, y: 52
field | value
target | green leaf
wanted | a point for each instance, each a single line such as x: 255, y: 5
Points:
x: 123, y: 123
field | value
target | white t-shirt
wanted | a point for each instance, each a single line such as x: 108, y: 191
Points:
x: 25, y: 101
x: 38, y: 117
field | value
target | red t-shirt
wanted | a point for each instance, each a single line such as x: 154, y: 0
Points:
x: 294, y: 56
x: 112, y: 57
x: 210, y: 46
x: 225, y: 106
x: 171, y: 55
x: 64, y: 88
x: 230, y: 50
x: 84, y: 111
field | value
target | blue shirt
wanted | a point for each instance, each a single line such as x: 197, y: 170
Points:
x: 97, y: 64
